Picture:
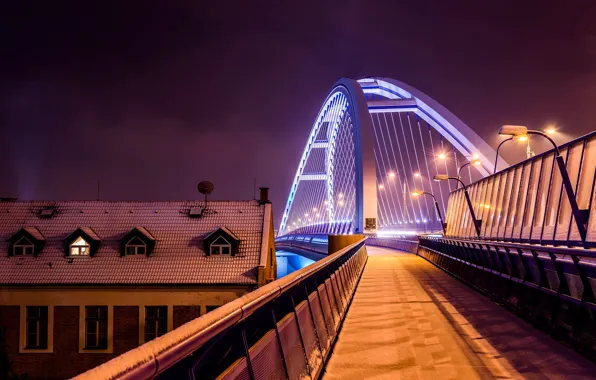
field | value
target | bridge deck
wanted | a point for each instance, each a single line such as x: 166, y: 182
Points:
x: 410, y: 320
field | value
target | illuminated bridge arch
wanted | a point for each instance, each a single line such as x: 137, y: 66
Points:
x: 373, y: 142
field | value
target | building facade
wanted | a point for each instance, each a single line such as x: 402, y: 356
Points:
x: 84, y: 281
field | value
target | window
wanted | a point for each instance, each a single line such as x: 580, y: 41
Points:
x: 211, y: 308
x: 23, y: 247
x: 156, y: 321
x: 135, y: 246
x: 96, y: 327
x: 37, y: 327
x: 79, y: 247
x: 221, y: 246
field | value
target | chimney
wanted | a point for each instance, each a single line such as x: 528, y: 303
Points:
x: 264, y: 195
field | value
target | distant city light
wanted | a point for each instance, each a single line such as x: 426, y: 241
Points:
x: 314, y: 209
x: 442, y: 156
x: 341, y: 195
x: 417, y: 174
x: 340, y: 203
x: 318, y: 215
x: 391, y: 174
x: 306, y: 215
x: 381, y: 187
x: 326, y: 202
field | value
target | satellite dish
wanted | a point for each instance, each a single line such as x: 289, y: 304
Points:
x: 205, y: 187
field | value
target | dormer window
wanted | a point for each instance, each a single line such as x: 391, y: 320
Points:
x: 26, y: 242
x: 81, y: 243
x: 136, y: 246
x: 221, y: 246
x: 222, y: 242
x: 23, y: 247
x: 138, y: 241
x: 80, y: 248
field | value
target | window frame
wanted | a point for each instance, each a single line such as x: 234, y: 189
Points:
x: 156, y: 325
x: 135, y: 247
x: 72, y: 246
x: 23, y: 247
x: 40, y: 320
x: 96, y: 321
x: 220, y: 247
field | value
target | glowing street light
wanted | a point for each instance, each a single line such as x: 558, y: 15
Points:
x: 391, y: 174
x: 417, y: 193
x: 417, y: 174
x: 341, y: 195
x: 551, y: 130
x: 445, y: 177
x: 381, y: 187
x: 520, y: 130
x: 442, y: 156
x: 475, y: 156
x: 340, y: 203
x: 474, y: 162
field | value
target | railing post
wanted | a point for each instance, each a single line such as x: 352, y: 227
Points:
x: 301, y: 338
x: 247, y: 353
x: 281, y: 350
x: 312, y: 318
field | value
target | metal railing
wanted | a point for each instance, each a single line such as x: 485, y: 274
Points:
x: 310, y: 242
x: 553, y: 287
x: 395, y: 242
x: 527, y: 203
x: 285, y: 329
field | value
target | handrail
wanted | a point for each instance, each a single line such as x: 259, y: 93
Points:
x: 155, y: 356
x: 579, y: 251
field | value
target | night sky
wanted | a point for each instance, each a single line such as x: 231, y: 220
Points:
x: 150, y: 97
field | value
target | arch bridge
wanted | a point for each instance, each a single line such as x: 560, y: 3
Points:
x: 425, y: 306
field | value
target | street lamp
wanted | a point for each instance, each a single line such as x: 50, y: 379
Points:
x: 475, y: 162
x: 417, y: 193
x: 499, y: 147
x: 520, y: 130
x: 445, y: 177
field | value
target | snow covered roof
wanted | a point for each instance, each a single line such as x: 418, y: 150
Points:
x: 178, y: 256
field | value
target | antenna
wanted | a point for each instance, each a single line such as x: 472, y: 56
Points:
x: 205, y: 187
x: 98, y: 189
x: 254, y: 189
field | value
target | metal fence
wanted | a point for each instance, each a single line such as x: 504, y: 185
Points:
x: 527, y: 202
x: 400, y: 243
x: 553, y: 287
x: 284, y: 330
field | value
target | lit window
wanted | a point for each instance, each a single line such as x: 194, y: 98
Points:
x: 135, y: 246
x: 156, y: 321
x: 96, y: 327
x: 23, y: 247
x: 79, y: 248
x: 37, y: 327
x: 221, y: 247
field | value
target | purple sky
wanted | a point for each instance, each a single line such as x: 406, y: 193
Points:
x: 152, y: 98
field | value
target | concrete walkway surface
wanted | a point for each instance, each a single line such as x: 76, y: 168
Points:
x: 411, y: 320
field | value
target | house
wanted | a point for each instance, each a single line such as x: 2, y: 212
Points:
x: 84, y: 281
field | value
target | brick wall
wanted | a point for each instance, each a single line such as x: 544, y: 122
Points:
x: 126, y: 328
x: 66, y: 361
x: 183, y: 314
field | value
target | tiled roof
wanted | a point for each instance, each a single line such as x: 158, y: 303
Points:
x: 178, y: 256
x: 34, y: 232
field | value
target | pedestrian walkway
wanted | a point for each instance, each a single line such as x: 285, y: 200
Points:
x: 411, y: 320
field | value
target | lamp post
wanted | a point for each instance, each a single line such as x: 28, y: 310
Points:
x: 499, y: 147
x: 417, y: 193
x: 474, y: 162
x: 520, y: 130
x: 445, y: 177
